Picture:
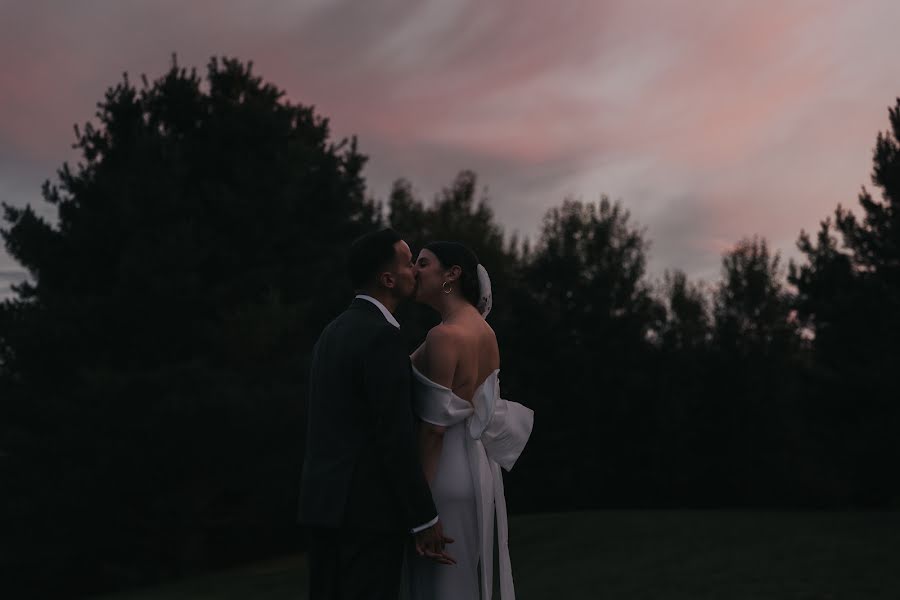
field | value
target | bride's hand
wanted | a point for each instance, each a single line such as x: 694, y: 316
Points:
x: 431, y: 542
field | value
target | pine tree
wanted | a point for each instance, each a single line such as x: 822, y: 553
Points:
x: 849, y: 300
x: 155, y: 362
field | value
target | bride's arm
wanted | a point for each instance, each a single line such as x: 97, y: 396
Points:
x: 440, y: 352
x: 416, y: 356
x: 440, y: 364
x: 431, y: 441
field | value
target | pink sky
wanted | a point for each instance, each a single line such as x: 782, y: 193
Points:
x: 710, y: 120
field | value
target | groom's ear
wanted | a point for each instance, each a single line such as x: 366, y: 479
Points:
x: 387, y: 280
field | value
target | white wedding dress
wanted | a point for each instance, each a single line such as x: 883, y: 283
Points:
x: 480, y: 438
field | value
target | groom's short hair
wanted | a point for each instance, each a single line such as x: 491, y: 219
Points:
x: 370, y: 254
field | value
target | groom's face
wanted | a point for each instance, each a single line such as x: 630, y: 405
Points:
x: 403, y: 271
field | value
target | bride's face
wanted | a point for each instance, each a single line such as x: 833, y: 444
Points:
x: 430, y: 276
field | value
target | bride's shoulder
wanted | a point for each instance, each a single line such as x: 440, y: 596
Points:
x: 443, y: 333
x: 464, y: 332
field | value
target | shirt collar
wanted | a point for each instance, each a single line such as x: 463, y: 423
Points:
x: 387, y: 314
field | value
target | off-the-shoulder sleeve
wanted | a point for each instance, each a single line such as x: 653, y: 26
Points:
x: 502, y: 426
x: 436, y: 404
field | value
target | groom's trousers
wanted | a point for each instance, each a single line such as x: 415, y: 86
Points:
x: 353, y: 563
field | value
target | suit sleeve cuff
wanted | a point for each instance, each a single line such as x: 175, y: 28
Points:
x: 425, y: 526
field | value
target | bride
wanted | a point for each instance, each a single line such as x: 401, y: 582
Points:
x: 467, y: 432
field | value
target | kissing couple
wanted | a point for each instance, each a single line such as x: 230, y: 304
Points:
x: 401, y: 486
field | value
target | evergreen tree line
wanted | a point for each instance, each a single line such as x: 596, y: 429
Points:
x: 153, y: 368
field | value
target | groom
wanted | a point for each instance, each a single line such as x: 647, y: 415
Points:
x: 363, y: 491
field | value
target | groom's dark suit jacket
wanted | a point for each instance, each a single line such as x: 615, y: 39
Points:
x: 362, y: 467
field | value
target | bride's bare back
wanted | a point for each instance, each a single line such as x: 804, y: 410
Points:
x: 459, y: 353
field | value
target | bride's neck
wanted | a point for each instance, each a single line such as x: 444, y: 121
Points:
x: 451, y: 307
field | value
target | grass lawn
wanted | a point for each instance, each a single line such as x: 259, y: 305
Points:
x: 634, y: 555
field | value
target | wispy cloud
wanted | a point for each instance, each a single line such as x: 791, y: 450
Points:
x: 710, y: 120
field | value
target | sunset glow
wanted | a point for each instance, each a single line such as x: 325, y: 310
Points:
x: 710, y: 121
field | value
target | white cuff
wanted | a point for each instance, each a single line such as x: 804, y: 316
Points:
x: 426, y: 525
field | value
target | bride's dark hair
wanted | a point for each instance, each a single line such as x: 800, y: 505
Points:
x: 454, y: 253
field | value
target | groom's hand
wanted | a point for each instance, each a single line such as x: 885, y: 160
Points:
x: 431, y: 542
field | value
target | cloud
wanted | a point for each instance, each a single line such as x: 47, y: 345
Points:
x: 11, y: 275
x: 710, y: 121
